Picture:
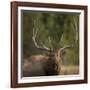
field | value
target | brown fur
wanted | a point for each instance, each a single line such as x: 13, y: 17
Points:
x: 41, y: 65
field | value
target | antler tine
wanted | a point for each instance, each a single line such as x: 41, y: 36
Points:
x: 34, y: 32
x: 76, y: 29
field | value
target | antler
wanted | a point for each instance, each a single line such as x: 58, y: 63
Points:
x: 35, y: 31
x: 76, y: 36
x: 66, y: 47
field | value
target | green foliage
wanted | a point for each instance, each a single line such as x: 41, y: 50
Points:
x: 55, y: 30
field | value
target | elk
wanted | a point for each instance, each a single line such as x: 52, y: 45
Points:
x: 44, y: 65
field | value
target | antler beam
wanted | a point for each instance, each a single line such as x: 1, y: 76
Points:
x: 66, y: 47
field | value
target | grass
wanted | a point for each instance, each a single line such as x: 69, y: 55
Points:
x: 69, y: 69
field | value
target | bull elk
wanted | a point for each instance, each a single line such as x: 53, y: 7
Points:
x: 44, y: 65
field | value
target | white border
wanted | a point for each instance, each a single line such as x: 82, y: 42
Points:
x: 81, y: 53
